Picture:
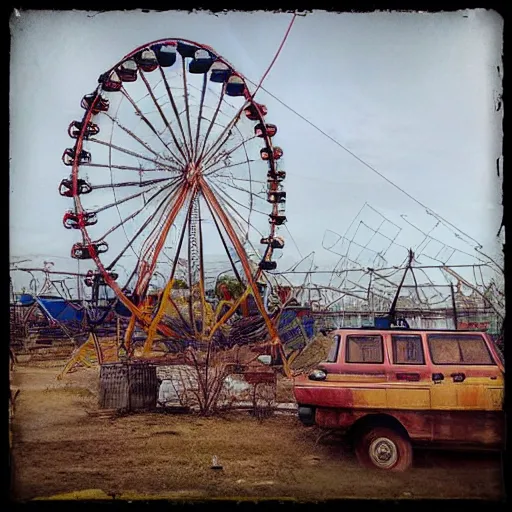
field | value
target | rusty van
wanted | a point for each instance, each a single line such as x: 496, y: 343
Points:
x: 391, y: 388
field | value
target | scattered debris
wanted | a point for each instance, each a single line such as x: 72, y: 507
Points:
x: 215, y: 463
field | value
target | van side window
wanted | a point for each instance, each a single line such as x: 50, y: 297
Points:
x: 453, y: 348
x: 407, y: 349
x: 333, y: 352
x: 364, y: 349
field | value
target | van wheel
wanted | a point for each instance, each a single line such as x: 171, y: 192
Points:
x: 384, y: 448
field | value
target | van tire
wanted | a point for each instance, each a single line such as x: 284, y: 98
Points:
x: 391, y: 447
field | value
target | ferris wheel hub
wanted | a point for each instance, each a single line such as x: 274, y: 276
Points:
x: 192, y: 172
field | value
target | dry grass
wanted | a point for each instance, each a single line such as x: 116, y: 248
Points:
x: 284, y: 391
x: 59, y: 448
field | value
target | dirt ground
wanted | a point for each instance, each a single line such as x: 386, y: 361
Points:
x: 60, y: 446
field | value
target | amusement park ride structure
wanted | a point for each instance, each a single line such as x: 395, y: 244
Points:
x: 193, y: 151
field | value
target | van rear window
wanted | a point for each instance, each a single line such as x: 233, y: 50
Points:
x: 452, y: 348
x: 364, y: 349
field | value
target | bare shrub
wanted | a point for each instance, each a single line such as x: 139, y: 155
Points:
x: 264, y: 399
x: 202, y: 380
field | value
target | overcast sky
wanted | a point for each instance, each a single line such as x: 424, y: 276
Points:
x: 412, y: 94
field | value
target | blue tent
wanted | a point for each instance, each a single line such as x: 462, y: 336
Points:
x: 59, y: 309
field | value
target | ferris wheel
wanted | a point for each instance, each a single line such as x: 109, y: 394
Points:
x: 174, y: 163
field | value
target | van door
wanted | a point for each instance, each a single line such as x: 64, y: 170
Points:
x: 467, y: 402
x: 359, y: 374
x: 364, y: 358
x: 409, y: 375
x: 356, y: 357
x: 468, y: 368
x: 443, y: 394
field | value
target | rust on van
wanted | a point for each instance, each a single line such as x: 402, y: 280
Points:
x: 433, y: 386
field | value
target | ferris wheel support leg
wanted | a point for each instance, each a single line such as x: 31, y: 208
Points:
x: 125, y: 345
x: 155, y: 247
x: 154, y: 324
x: 228, y: 313
x: 97, y: 347
x: 272, y: 330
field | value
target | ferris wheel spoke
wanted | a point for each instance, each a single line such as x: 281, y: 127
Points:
x: 222, y: 137
x: 189, y: 126
x: 130, y: 168
x: 147, y: 94
x: 230, y: 183
x: 131, y: 134
x: 222, y: 155
x: 235, y: 109
x: 177, y: 197
x: 251, y: 205
x: 140, y: 231
x: 131, y: 183
x: 225, y: 156
x: 203, y: 92
x: 149, y: 245
x: 212, y: 123
x: 153, y: 249
x: 175, y: 109
x: 234, y: 214
x: 250, y: 193
x: 227, y: 198
x: 134, y: 214
x: 247, y: 161
x: 238, y: 179
x: 164, y: 165
x: 149, y: 268
x: 164, y: 119
x: 213, y: 172
x: 121, y: 201
x: 162, y: 104
x: 174, y: 158
x: 175, y: 180
x: 247, y: 221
